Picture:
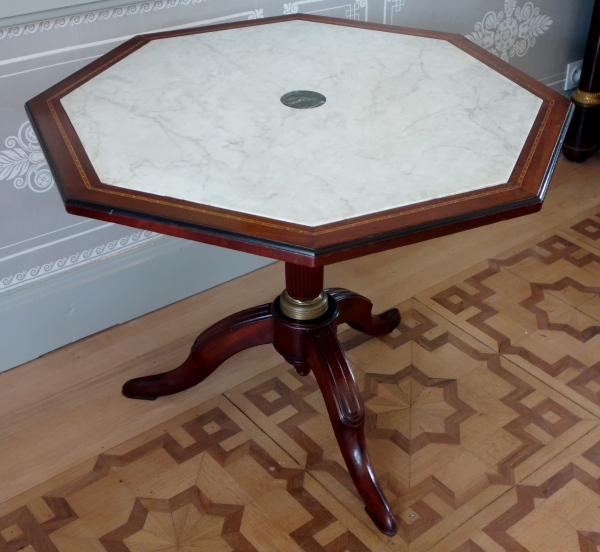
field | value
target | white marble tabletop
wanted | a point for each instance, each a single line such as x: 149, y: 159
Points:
x: 199, y: 118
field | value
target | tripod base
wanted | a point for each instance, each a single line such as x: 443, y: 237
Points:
x: 307, y: 345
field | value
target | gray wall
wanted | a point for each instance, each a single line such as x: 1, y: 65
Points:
x: 39, y: 241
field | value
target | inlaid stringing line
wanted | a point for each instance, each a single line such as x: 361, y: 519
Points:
x: 211, y: 212
x: 535, y: 144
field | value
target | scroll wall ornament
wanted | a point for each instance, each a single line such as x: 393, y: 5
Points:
x: 99, y: 15
x: 511, y: 32
x: 93, y: 254
x: 24, y: 163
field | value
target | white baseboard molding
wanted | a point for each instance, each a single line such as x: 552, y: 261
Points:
x: 61, y: 309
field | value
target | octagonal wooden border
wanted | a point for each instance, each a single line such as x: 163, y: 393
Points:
x: 84, y: 194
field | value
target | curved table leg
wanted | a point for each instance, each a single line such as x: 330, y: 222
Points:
x: 356, y: 311
x: 346, y: 411
x: 231, y: 335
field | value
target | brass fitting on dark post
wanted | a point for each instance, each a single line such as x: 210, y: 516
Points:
x: 303, y: 310
x: 583, y: 136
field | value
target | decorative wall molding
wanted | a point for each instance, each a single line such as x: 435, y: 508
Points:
x: 77, y: 259
x: 395, y: 6
x: 255, y: 14
x: 24, y: 163
x: 512, y: 31
x: 352, y: 8
x: 39, y: 318
x: 99, y: 15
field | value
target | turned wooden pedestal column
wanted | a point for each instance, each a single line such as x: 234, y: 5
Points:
x: 308, y: 342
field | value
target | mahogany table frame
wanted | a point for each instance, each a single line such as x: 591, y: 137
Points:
x: 307, y: 345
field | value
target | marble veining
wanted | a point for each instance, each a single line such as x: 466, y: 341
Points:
x: 407, y: 119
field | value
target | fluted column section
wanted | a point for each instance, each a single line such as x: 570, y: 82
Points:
x: 303, y: 282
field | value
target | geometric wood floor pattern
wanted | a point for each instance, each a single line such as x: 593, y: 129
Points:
x: 452, y: 425
x: 206, y: 481
x: 483, y: 424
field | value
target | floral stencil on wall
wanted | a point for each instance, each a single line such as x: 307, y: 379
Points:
x: 24, y: 163
x: 512, y: 31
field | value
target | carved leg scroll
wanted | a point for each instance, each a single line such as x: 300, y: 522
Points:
x: 346, y: 411
x: 231, y: 335
x: 356, y: 311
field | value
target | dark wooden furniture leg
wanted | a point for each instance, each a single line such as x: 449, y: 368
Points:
x: 307, y: 344
x: 313, y: 345
x: 583, y: 136
x: 347, y: 415
x: 356, y: 311
x: 214, y: 346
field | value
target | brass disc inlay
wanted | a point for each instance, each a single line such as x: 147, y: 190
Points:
x: 303, y: 310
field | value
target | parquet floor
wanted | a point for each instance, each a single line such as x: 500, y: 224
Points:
x: 483, y: 418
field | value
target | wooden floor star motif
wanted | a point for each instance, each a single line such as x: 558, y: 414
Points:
x: 188, y: 522
x: 483, y: 425
x: 451, y: 424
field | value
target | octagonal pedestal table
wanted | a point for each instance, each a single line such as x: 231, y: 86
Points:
x: 309, y: 140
